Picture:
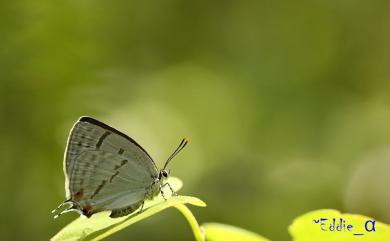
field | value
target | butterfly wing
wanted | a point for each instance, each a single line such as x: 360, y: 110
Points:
x: 104, y: 168
x: 102, y: 180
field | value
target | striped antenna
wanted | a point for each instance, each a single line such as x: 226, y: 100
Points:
x: 182, y: 144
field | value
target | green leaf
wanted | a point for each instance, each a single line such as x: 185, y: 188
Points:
x: 197, y: 231
x: 223, y: 232
x: 305, y: 229
x: 100, y: 225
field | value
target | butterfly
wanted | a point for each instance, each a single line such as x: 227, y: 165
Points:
x: 107, y: 170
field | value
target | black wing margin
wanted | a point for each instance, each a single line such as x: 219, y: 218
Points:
x: 109, y: 128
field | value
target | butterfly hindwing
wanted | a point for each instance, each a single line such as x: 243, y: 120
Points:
x: 101, y: 182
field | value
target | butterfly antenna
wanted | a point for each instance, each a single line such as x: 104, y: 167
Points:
x: 182, y: 144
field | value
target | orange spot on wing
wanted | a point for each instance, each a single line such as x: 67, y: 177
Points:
x: 87, y: 210
x: 78, y: 195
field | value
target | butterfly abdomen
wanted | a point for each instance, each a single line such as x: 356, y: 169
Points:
x: 116, y: 213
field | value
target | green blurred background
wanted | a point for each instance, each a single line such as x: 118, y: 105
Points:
x: 286, y: 105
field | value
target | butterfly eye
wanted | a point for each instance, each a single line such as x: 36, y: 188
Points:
x: 164, y: 173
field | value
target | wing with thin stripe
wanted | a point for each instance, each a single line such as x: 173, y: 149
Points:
x: 89, y: 134
x: 101, y: 180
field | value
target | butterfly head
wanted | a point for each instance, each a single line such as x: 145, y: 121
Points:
x: 164, y: 174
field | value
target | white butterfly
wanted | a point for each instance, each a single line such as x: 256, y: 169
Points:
x: 107, y: 170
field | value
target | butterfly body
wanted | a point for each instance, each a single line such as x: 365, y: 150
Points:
x: 107, y: 170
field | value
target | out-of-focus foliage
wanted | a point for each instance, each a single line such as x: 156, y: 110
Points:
x: 304, y: 228
x: 286, y: 105
x: 224, y: 232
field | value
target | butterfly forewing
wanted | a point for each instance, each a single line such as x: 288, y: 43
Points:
x: 99, y: 175
x: 104, y: 168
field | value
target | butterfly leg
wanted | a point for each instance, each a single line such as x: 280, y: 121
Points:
x: 142, y: 207
x: 170, y: 187
x: 162, y: 192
